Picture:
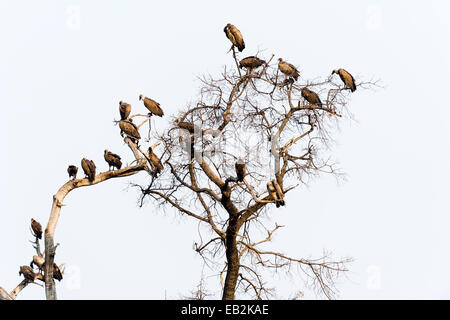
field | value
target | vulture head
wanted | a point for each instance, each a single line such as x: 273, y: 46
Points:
x: 141, y: 96
x: 334, y: 71
x: 120, y: 102
x: 280, y: 60
x: 106, y: 151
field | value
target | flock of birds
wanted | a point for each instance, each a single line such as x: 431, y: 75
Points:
x: 38, y: 260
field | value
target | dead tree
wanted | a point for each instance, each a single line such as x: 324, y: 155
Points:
x: 261, y: 117
x: 45, y: 273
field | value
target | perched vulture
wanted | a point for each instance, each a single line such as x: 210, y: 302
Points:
x: 311, y: 96
x: 279, y: 192
x: 235, y: 36
x: 272, y: 189
x: 88, y: 168
x: 27, y: 272
x: 346, y: 78
x: 37, y: 228
x: 186, y: 125
x: 72, y: 171
x: 57, y: 275
x: 124, y: 109
x: 240, y: 170
x: 288, y: 69
x: 152, y: 106
x: 38, y: 261
x: 155, y: 162
x: 130, y: 129
x: 113, y: 160
x: 251, y: 63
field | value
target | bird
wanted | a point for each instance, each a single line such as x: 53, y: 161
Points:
x: 155, y: 162
x: 288, y: 69
x: 130, y: 129
x: 251, y: 62
x: 152, y: 106
x: 235, y: 36
x: 113, y: 160
x: 272, y: 189
x: 189, y: 126
x: 37, y: 228
x: 241, y: 170
x: 57, y: 274
x: 88, y: 168
x: 72, y: 171
x: 27, y: 272
x: 311, y: 96
x: 124, y: 109
x: 38, y: 261
x: 279, y: 192
x: 346, y: 78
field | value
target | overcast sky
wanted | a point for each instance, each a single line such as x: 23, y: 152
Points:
x: 64, y: 65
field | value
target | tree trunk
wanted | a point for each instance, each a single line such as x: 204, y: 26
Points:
x: 232, y: 260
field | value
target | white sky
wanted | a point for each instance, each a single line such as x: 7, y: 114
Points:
x: 60, y: 83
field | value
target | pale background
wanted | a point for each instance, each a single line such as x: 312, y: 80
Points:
x: 64, y: 65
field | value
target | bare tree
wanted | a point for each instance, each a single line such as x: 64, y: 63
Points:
x: 259, y: 117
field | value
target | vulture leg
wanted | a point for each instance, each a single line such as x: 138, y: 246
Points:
x: 149, y: 126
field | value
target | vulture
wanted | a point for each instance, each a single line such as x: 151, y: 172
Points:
x: 113, y: 160
x: 88, y: 168
x: 288, y: 69
x: 186, y: 125
x: 130, y: 129
x: 152, y: 106
x: 279, y: 192
x: 72, y: 171
x: 241, y: 170
x: 311, y: 97
x: 27, y: 272
x: 57, y: 275
x: 155, y: 162
x: 38, y: 261
x: 124, y: 109
x: 37, y: 228
x: 346, y: 78
x: 274, y: 191
x: 251, y: 63
x: 235, y: 36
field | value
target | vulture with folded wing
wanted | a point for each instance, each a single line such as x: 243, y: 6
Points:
x: 130, y: 129
x: 288, y: 69
x: 189, y: 126
x: 124, y: 109
x: 37, y: 228
x: 113, y: 160
x: 152, y: 106
x: 88, y: 168
x: 27, y: 272
x: 235, y: 36
x: 72, y: 171
x: 251, y: 63
x: 155, y: 162
x: 57, y: 275
x: 280, y: 193
x: 346, y: 78
x: 311, y: 97
x: 241, y: 170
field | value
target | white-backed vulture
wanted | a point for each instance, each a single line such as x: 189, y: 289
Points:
x: 346, y: 78
x: 152, y: 106
x: 251, y: 62
x: 155, y: 162
x: 130, y: 129
x: 124, y: 109
x: 37, y: 261
x: 27, y: 272
x: 274, y: 194
x: 279, y: 192
x: 72, y: 171
x: 288, y: 69
x: 311, y: 96
x: 37, y: 228
x: 235, y: 36
x: 113, y: 160
x: 241, y: 170
x: 88, y: 168
x: 189, y: 126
